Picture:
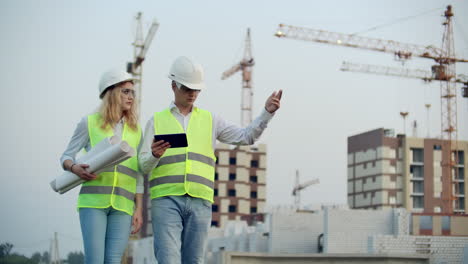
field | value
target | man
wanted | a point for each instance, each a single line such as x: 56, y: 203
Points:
x: 182, y: 179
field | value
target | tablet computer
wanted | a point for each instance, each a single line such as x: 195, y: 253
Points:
x: 176, y: 140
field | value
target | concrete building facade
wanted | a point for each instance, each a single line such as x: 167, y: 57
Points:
x: 386, y: 171
x: 240, y: 182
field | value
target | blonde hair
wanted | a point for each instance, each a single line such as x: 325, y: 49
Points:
x: 111, y: 112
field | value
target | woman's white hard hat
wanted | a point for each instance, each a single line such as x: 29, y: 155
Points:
x: 188, y: 73
x: 112, y: 77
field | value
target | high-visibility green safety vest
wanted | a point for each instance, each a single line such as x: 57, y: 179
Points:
x: 117, y: 186
x: 187, y: 170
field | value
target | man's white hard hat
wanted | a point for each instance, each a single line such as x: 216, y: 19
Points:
x: 112, y: 77
x: 188, y: 73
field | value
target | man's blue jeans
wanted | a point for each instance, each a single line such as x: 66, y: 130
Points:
x: 180, y: 228
x: 105, y: 234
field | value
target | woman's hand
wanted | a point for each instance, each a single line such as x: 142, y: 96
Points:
x: 137, y: 220
x: 159, y: 147
x: 80, y: 171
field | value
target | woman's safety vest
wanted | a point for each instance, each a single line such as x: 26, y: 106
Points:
x: 117, y: 186
x: 188, y: 170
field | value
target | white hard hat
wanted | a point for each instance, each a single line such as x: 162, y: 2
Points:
x: 112, y: 77
x: 188, y: 73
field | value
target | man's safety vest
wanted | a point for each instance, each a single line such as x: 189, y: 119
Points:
x: 188, y: 170
x: 117, y: 186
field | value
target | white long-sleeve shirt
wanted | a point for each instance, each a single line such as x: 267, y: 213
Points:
x: 224, y: 131
x: 80, y: 140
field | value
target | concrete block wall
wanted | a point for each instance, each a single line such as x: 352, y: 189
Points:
x: 441, y: 249
x: 347, y: 231
x: 401, y: 222
x: 295, y: 232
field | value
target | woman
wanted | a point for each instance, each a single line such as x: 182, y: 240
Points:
x: 108, y: 200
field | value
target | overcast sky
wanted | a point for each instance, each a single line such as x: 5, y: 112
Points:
x: 53, y: 53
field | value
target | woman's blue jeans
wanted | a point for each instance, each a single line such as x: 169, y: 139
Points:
x: 180, y: 227
x: 105, y: 234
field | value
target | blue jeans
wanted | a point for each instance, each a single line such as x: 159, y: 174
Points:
x: 105, y: 234
x: 180, y: 228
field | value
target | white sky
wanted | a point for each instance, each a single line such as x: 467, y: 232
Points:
x: 53, y: 53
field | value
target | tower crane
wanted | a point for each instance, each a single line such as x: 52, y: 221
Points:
x: 245, y: 65
x: 445, y: 64
x: 139, y: 52
x: 427, y: 76
x: 298, y: 187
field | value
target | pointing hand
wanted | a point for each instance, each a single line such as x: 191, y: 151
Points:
x: 273, y: 102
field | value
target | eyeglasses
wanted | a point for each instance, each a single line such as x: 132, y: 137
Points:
x: 127, y: 92
x: 184, y: 88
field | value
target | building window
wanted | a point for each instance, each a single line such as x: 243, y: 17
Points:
x: 418, y: 202
x: 232, y: 192
x: 437, y: 147
x: 461, y: 173
x: 445, y: 223
x: 214, y: 208
x: 418, y: 154
x: 418, y: 187
x: 425, y: 222
x: 253, y: 210
x: 232, y: 208
x: 254, y: 163
x: 365, y: 195
x: 232, y: 176
x: 216, y: 176
x: 417, y: 171
x: 214, y: 223
x: 253, y: 178
x: 461, y: 157
x: 373, y: 178
x: 364, y: 181
x: 253, y: 194
x: 232, y: 161
x: 461, y: 203
x: 461, y: 188
x: 215, y: 192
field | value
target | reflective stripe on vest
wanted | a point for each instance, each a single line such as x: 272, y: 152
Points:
x: 122, y: 169
x: 114, y: 186
x: 187, y: 170
x: 180, y: 179
x: 181, y: 158
x: 107, y: 190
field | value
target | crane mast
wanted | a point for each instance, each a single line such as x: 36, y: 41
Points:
x: 444, y: 71
x: 139, y: 52
x: 246, y: 66
x: 298, y: 187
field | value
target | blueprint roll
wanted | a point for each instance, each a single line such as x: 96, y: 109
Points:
x: 107, y: 153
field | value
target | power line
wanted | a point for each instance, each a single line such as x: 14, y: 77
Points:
x: 397, y: 21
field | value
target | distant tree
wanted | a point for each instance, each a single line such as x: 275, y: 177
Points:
x: 75, y: 258
x: 36, y: 258
x: 15, y: 259
x: 45, y: 257
x: 5, y: 249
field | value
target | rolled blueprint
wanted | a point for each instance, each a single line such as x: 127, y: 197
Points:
x: 107, y: 153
